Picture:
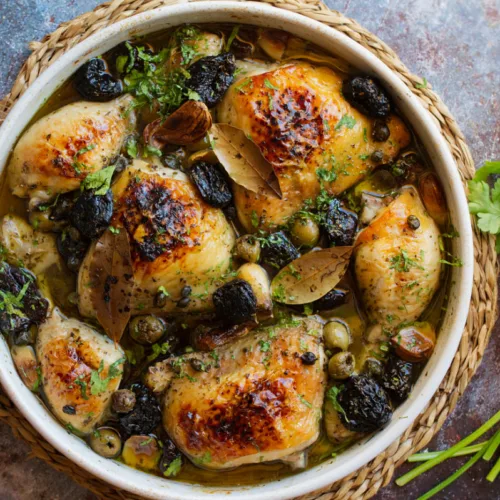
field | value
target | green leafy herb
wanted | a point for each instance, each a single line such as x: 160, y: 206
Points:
x: 402, y: 262
x: 157, y: 350
x: 97, y: 384
x: 346, y: 121
x: 305, y: 402
x: 174, y: 467
x: 163, y: 290
x: 422, y: 85
x: 265, y: 345
x: 232, y: 36
x: 254, y: 219
x: 485, y: 203
x: 83, y: 387
x: 151, y: 151
x: 100, y: 181
x: 114, y: 230
x: 269, y: 85
x: 332, y: 396
x: 131, y: 147
x: 84, y: 150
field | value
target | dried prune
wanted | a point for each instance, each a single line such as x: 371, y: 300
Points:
x: 91, y: 213
x: 62, y: 207
x: 334, y: 298
x: 365, y: 404
x: 72, y: 246
x: 21, y: 303
x: 144, y: 417
x: 94, y: 83
x: 278, y: 251
x: 235, y: 302
x: 211, y: 76
x: 367, y: 95
x: 212, y: 183
x: 397, y: 379
x: 340, y: 225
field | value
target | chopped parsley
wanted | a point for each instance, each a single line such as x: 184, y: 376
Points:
x: 346, y: 121
x: 332, y: 396
x: 232, y: 36
x: 100, y: 181
x: 174, y: 467
x: 422, y: 85
x: 97, y: 384
x: 402, y: 263
x: 269, y: 85
x: 131, y: 147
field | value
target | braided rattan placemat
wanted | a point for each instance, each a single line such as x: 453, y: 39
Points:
x: 365, y: 482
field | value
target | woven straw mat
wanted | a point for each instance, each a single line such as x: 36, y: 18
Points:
x: 365, y: 482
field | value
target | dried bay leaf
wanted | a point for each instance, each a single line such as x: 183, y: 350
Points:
x: 311, y: 276
x: 111, y: 276
x: 242, y: 160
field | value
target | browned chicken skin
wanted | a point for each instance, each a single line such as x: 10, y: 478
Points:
x: 257, y: 402
x: 297, y: 116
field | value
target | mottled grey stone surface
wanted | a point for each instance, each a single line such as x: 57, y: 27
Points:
x: 455, y: 44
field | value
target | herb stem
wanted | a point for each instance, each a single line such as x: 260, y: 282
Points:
x: 494, y: 444
x: 425, y: 466
x: 492, y: 475
x: 424, y: 457
x: 455, y: 475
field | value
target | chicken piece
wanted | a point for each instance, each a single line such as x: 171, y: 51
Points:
x: 59, y: 150
x: 397, y: 267
x: 37, y: 251
x: 256, y: 401
x: 80, y: 370
x: 298, y: 118
x: 177, y: 240
x: 202, y: 44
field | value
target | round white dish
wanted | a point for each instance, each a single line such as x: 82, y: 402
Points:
x: 320, y: 476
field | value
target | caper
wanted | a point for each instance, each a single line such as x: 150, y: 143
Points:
x: 186, y: 291
x: 184, y: 302
x: 377, y: 156
x: 305, y: 232
x: 308, y: 358
x: 106, y: 442
x: 198, y: 365
x: 73, y: 298
x: 247, y: 248
x: 373, y: 367
x: 380, y: 132
x: 341, y: 365
x: 413, y: 222
x: 123, y: 401
x: 147, y: 329
x: 337, y: 336
x: 161, y: 299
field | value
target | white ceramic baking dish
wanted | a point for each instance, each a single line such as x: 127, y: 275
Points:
x: 320, y: 476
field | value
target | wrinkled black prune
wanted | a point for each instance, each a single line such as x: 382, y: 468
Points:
x: 21, y: 303
x: 72, y: 246
x: 62, y: 207
x: 212, y: 183
x: 211, y: 76
x: 144, y: 417
x: 334, y: 298
x: 397, y: 379
x: 278, y: 251
x: 235, y: 302
x: 367, y: 95
x: 340, y: 225
x: 94, y: 83
x: 365, y: 404
x: 170, y: 453
x: 92, y: 213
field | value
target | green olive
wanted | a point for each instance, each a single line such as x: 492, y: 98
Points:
x: 305, y: 232
x: 141, y: 452
x: 147, y: 329
x: 106, y: 442
x: 341, y: 365
x: 337, y: 336
x: 247, y: 248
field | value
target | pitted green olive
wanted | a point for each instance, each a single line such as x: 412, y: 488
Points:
x: 106, y: 442
x: 247, y: 248
x: 341, y: 365
x: 305, y: 232
x: 147, y: 329
x: 337, y: 336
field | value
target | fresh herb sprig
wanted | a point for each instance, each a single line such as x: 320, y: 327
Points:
x: 484, y: 202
